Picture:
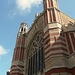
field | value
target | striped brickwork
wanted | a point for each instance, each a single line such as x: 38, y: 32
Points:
x: 55, y: 50
x: 52, y: 13
x: 17, y: 67
x: 15, y: 70
x: 55, y: 44
x: 18, y: 56
x: 19, y: 49
x: 70, y: 37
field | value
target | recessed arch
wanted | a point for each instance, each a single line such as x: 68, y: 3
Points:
x: 36, y: 45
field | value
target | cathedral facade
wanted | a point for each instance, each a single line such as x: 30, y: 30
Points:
x: 48, y: 47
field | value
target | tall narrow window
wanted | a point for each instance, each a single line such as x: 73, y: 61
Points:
x: 42, y: 59
x: 36, y: 63
x: 21, y: 29
x: 33, y: 64
x: 29, y: 68
x: 39, y: 60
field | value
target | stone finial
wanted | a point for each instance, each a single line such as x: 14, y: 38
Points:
x: 71, y: 23
x: 24, y: 21
x: 36, y: 15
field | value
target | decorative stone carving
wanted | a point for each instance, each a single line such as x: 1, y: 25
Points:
x: 69, y: 27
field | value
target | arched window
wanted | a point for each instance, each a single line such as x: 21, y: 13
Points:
x: 36, y: 55
x: 24, y: 30
x: 21, y: 29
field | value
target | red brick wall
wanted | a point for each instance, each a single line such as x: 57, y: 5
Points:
x: 70, y: 41
x: 58, y: 70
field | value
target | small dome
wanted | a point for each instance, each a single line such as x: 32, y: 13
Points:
x: 24, y: 24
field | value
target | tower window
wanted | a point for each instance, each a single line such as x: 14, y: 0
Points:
x: 24, y: 30
x: 21, y: 29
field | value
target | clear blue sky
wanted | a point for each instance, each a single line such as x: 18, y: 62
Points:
x: 12, y: 14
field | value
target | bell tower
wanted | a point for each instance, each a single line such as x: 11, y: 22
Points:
x: 17, y: 67
x: 55, y: 49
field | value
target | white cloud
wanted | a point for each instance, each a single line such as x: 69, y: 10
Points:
x: 3, y: 51
x: 27, y: 4
x: 21, y: 7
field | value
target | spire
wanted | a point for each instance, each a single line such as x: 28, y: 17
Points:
x: 36, y: 15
